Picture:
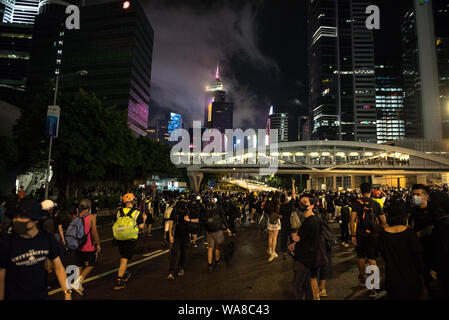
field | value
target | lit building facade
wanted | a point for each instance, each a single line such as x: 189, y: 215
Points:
x: 278, y: 121
x: 19, y: 11
x: 218, y: 113
x: 389, y: 104
x: 115, y: 46
x: 341, y: 71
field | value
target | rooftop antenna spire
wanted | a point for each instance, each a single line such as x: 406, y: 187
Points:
x: 217, y: 73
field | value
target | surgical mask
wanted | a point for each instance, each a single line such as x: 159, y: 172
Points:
x: 303, y: 207
x: 417, y: 201
x: 21, y: 227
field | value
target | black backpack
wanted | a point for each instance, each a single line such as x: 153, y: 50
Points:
x: 213, y: 221
x: 368, y: 224
x: 345, y: 214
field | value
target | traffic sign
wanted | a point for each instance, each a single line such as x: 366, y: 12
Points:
x: 52, y: 123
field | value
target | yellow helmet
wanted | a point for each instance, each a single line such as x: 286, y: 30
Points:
x: 129, y: 197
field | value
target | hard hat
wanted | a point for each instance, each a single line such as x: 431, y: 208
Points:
x: 129, y: 197
x: 48, y: 204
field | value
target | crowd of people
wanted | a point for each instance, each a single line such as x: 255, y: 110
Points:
x: 407, y: 228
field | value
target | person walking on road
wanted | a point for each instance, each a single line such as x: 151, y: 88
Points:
x: 87, y: 254
x: 215, y: 222
x: 126, y: 232
x: 179, y: 238
x: 369, y: 216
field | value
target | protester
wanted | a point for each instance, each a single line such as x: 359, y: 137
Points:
x: 402, y: 253
x: 23, y: 255
x: 369, y: 216
x: 305, y: 246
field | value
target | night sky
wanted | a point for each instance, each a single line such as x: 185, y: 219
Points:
x: 261, y: 46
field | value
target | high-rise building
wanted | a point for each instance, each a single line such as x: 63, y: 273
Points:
x: 174, y: 122
x: 218, y: 113
x: 19, y: 11
x: 389, y: 103
x: 441, y: 18
x: 341, y: 71
x: 420, y: 64
x: 278, y: 121
x: 15, y: 47
x: 114, y: 44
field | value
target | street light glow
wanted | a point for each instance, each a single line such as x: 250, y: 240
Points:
x: 126, y: 5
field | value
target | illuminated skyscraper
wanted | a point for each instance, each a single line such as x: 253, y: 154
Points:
x: 341, y: 71
x: 20, y: 11
x: 218, y: 113
x: 114, y: 44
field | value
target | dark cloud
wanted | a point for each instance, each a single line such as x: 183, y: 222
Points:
x: 187, y: 43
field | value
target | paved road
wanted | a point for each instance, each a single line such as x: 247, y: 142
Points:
x: 250, y: 277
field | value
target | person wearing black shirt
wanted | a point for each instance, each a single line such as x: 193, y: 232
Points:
x: 23, y: 255
x: 364, y: 240
x: 305, y: 247
x: 402, y: 254
x: 179, y: 239
x: 421, y: 221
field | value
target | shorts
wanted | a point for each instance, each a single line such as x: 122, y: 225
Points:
x: 274, y: 227
x: 215, y: 239
x: 314, y: 272
x: 127, y: 248
x: 86, y: 259
x: 194, y: 228
x: 367, y: 247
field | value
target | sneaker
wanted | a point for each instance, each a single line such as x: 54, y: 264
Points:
x: 126, y: 276
x: 372, y: 293
x: 346, y: 245
x: 181, y: 272
x: 195, y: 245
x: 171, y: 277
x: 323, y: 293
x: 271, y: 258
x: 275, y: 254
x: 119, y: 284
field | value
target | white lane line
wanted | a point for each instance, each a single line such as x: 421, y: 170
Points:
x: 151, y: 255
x: 154, y: 254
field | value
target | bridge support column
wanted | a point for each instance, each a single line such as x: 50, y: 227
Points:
x: 195, y: 180
x: 353, y: 186
x: 334, y: 182
x: 421, y: 179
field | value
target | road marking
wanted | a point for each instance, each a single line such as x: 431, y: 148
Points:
x: 153, y: 255
x: 149, y: 256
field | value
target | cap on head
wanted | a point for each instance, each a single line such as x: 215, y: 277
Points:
x: 29, y: 209
x: 48, y: 204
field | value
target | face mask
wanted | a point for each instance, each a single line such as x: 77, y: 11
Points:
x: 417, y: 201
x: 21, y: 227
x: 303, y: 207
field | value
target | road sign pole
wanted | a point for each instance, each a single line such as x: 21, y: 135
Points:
x: 47, y: 179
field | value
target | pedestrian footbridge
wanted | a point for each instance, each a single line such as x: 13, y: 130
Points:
x: 328, y: 160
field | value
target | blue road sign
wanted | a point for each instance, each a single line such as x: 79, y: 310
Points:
x: 52, y: 122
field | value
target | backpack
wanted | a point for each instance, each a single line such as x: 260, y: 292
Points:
x: 327, y: 236
x: 75, y: 235
x: 213, y: 221
x: 124, y: 227
x: 168, y: 212
x: 368, y: 224
x: 295, y: 222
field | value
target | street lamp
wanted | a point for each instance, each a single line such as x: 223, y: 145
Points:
x: 80, y: 73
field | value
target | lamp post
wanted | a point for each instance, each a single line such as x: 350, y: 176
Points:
x: 81, y: 73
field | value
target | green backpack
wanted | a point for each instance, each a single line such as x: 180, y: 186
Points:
x: 125, y: 228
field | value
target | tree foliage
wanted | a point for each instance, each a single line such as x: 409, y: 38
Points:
x: 95, y: 143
